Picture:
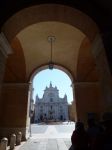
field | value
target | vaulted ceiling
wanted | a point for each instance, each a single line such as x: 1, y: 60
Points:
x: 71, y: 48
x: 37, y: 49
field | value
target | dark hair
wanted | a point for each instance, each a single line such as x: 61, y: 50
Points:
x: 79, y: 125
x: 107, y: 119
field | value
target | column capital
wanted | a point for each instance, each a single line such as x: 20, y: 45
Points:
x: 16, y: 85
x: 72, y: 84
x: 87, y: 83
x: 5, y: 46
x: 31, y: 86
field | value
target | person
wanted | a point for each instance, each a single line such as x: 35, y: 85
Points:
x: 93, y: 131
x: 79, y: 137
x: 104, y: 140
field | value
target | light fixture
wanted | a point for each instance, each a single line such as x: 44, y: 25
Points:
x: 51, y: 39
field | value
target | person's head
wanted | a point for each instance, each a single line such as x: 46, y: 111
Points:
x: 107, y: 120
x: 91, y: 122
x: 79, y: 126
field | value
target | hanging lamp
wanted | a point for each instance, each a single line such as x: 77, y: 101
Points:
x: 51, y: 39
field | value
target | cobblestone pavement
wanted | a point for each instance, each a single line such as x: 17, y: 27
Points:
x: 49, y: 137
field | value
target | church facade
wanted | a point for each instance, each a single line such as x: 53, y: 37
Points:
x: 51, y: 106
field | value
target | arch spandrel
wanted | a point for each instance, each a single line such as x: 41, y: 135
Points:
x: 56, y: 66
x: 86, y: 65
x: 49, y: 12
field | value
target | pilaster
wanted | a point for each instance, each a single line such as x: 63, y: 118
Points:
x: 87, y: 100
x: 5, y: 50
x: 14, y: 108
x: 104, y: 72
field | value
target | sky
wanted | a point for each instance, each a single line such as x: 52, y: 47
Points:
x: 57, y: 78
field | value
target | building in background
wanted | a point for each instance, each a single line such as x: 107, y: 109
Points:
x: 51, y: 106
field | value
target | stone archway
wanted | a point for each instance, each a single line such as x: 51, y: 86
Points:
x: 49, y: 12
x: 58, y: 13
x: 56, y: 66
x: 56, y: 69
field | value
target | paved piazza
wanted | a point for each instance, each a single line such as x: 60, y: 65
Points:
x: 49, y: 137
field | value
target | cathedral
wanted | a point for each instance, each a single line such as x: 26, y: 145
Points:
x: 51, y: 106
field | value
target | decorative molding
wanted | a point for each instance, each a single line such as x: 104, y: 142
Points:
x: 86, y: 83
x: 5, y: 47
x: 72, y: 85
x: 16, y: 84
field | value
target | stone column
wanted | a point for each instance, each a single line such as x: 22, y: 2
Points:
x: 5, y: 50
x: 87, y: 100
x: 104, y: 72
x: 2, y: 69
x: 14, y: 108
x: 28, y: 119
x: 74, y: 101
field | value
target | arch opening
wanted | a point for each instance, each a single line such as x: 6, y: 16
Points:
x: 51, y: 96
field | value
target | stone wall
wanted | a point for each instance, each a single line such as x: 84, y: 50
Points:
x: 2, y: 68
x: 14, y: 108
x: 88, y: 100
x: 105, y: 77
x: 71, y: 109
